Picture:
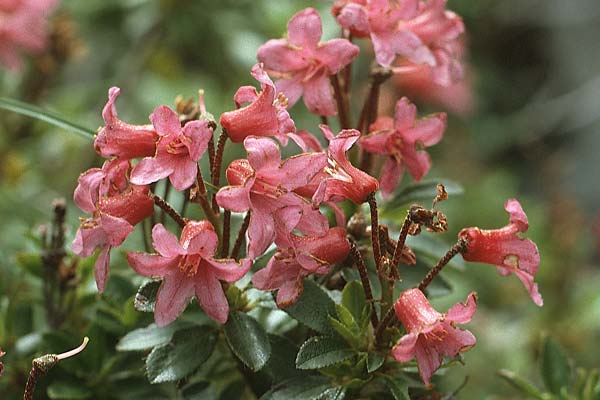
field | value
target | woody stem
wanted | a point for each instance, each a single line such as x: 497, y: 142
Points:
x: 385, y: 322
x: 340, y: 99
x: 401, y: 241
x: 203, y: 200
x: 216, y: 169
x: 240, y: 237
x: 226, y: 233
x: 166, y: 207
x: 458, y: 247
x: 375, y: 231
x: 364, y: 278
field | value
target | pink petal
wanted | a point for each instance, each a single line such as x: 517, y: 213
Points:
x: 101, y: 268
x: 278, y: 55
x: 289, y: 292
x: 404, y: 350
x: 165, y: 242
x: 184, y: 173
x: 210, y: 295
x: 418, y: 163
x: 405, y: 114
x: 200, y: 134
x: 391, y: 175
x: 263, y: 153
x: 165, y: 121
x: 313, y: 222
x: 318, y: 96
x: 336, y: 54
x: 228, y: 270
x: 455, y: 341
x: 428, y: 360
x: 428, y: 131
x: 292, y: 88
x: 173, y: 297
x: 150, y: 170
x: 87, y: 240
x: 152, y: 265
x: 86, y: 192
x: 245, y: 94
x: 377, y: 142
x: 354, y: 17
x: 462, y: 313
x: 517, y: 215
x: 286, y: 219
x: 117, y: 229
x: 305, y: 28
x: 235, y: 198
x: 531, y: 287
x: 310, y: 141
x: 201, y: 240
x: 298, y: 170
x: 261, y: 233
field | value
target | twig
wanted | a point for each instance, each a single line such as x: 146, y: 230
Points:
x: 166, y: 207
x: 458, y: 247
x: 364, y: 278
x: 240, y: 237
x: 226, y: 233
x: 216, y: 170
x: 340, y: 102
x: 401, y: 241
x: 375, y: 231
x: 202, y: 198
x: 385, y: 322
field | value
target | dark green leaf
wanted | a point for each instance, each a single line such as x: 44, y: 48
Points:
x: 282, y: 363
x: 200, y: 391
x: 321, y: 351
x: 424, y: 192
x: 398, y: 388
x: 351, y: 337
x: 68, y: 391
x: 346, y: 317
x: 305, y: 388
x: 248, y: 340
x: 522, y: 384
x: 554, y: 366
x: 313, y: 308
x: 187, y: 351
x: 336, y: 393
x: 46, y: 116
x: 235, y: 390
x: 146, y: 296
x: 353, y: 298
x: 149, y: 337
x: 374, y: 362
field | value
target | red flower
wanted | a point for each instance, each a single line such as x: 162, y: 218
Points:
x: 431, y: 335
x: 188, y: 269
x: 505, y: 249
x: 120, y: 139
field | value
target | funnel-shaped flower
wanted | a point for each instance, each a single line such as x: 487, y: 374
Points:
x: 298, y: 257
x: 120, y: 139
x: 22, y: 28
x: 116, y: 207
x: 188, y: 269
x: 340, y: 180
x: 431, y: 335
x: 264, y: 183
x: 177, y: 153
x: 402, y: 140
x: 305, y: 64
x: 506, y: 250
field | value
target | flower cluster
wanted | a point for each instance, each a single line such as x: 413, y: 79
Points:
x: 296, y: 206
x: 22, y: 28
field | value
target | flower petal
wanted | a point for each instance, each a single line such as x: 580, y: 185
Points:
x: 210, y: 295
x: 428, y: 131
x: 318, y: 96
x: 391, y: 175
x: 261, y: 233
x: 165, y: 121
x: 517, y: 215
x: 173, y: 297
x: 200, y: 134
x: 336, y: 54
x: 165, y: 242
x: 152, y: 265
x: 184, y: 173
x: 428, y: 360
x: 101, y: 268
x: 305, y: 28
x: 150, y: 170
x: 462, y: 313
x: 235, y: 198
x: 405, y: 114
x: 263, y: 153
x: 404, y: 350
x: 229, y: 270
x: 278, y: 55
x: 291, y: 88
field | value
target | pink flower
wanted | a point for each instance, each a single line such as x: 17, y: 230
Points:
x: 263, y: 184
x: 177, y: 153
x: 401, y: 140
x: 115, y: 206
x: 298, y: 257
x: 305, y: 64
x: 2, y: 353
x: 505, y: 249
x: 340, y: 180
x: 431, y: 335
x: 22, y: 28
x: 120, y: 139
x: 188, y: 269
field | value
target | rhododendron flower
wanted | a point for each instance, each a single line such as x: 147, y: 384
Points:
x: 298, y: 257
x: 340, y: 180
x: 263, y: 184
x: 430, y: 335
x: 401, y: 139
x: 22, y: 28
x: 505, y: 249
x: 188, y: 269
x: 177, y: 153
x: 115, y: 206
x: 120, y: 139
x: 305, y: 64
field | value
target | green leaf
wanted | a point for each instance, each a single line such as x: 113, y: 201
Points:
x: 313, y: 308
x: 46, y: 116
x: 346, y: 317
x: 282, y: 363
x: 522, y: 384
x: 183, y: 355
x: 554, y: 366
x: 248, y: 340
x: 305, y: 388
x: 424, y: 191
x: 336, y: 393
x: 32, y: 263
x: 68, y: 391
x: 321, y: 351
x: 398, y: 388
x: 374, y: 362
x: 149, y: 337
x: 146, y: 296
x: 200, y: 391
x: 353, y: 298
x: 351, y: 337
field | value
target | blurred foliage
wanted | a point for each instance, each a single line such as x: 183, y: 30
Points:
x: 533, y: 135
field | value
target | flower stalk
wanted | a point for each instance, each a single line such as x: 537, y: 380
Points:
x: 458, y: 247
